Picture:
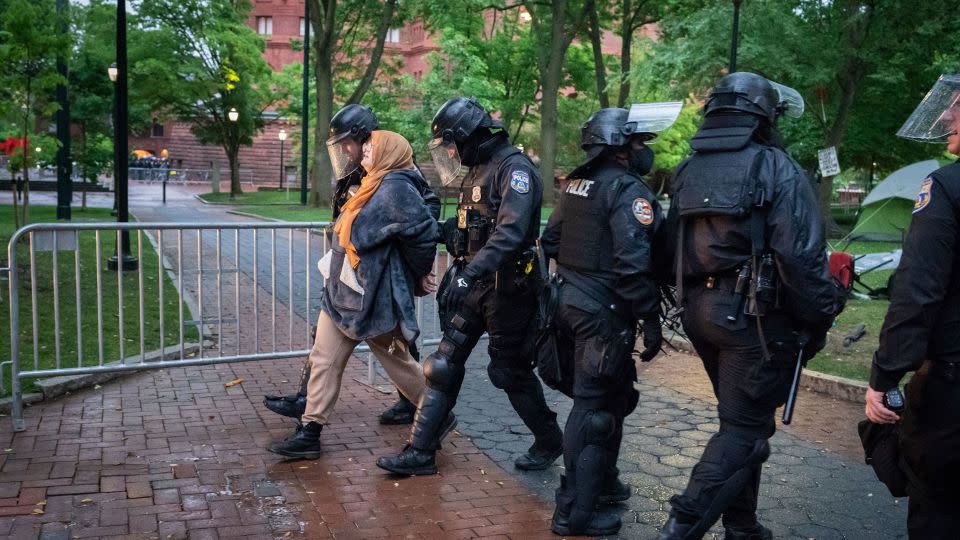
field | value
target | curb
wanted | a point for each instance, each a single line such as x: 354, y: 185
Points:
x: 838, y: 387
x: 254, y: 216
x: 54, y: 387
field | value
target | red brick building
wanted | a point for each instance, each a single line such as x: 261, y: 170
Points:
x: 279, y: 22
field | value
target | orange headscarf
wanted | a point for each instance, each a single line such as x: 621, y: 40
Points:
x: 389, y: 151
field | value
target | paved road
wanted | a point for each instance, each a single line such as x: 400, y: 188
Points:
x: 807, y: 491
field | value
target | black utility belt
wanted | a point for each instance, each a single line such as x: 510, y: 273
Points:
x: 948, y: 371
x: 726, y: 282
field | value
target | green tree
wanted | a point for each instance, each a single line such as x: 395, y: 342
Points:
x: 91, y: 91
x: 859, y: 67
x: 348, y: 39
x: 29, y: 45
x: 197, y: 61
x: 554, y: 25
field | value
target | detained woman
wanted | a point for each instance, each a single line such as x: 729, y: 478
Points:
x: 383, y: 250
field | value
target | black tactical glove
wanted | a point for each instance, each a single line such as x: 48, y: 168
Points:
x: 458, y: 291
x: 652, y: 337
x: 448, y: 232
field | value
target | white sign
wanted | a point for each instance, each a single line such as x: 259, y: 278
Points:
x: 829, y: 164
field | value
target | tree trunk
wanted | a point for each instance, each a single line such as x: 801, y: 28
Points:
x: 600, y: 70
x: 324, y: 22
x: 626, y: 47
x: 854, y: 72
x: 16, y: 207
x: 551, y: 76
x: 388, y: 9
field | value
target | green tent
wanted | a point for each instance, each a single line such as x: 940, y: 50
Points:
x: 885, y: 212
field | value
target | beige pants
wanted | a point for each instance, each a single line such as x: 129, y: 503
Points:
x: 328, y: 360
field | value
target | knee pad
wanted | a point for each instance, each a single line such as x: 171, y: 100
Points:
x: 599, y: 425
x: 440, y: 372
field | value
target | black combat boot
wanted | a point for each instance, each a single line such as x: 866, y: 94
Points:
x: 413, y: 461
x: 614, y: 491
x: 402, y: 412
x: 754, y: 532
x: 293, y: 405
x: 410, y: 462
x: 596, y: 523
x: 675, y: 529
x: 539, y: 458
x: 304, y: 444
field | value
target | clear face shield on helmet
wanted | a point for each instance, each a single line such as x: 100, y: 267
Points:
x: 652, y: 118
x: 446, y: 158
x: 345, y: 154
x: 791, y: 102
x: 938, y: 115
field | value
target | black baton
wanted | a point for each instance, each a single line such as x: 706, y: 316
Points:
x: 795, y: 386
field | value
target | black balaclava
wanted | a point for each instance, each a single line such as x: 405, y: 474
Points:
x: 480, y: 145
x: 640, y: 162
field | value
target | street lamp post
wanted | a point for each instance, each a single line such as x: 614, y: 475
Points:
x: 305, y: 119
x: 733, y: 37
x: 283, y: 137
x: 122, y: 260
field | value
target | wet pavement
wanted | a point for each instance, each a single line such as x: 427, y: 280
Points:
x: 177, y: 454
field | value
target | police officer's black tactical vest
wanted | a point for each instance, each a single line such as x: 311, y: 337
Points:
x: 719, y: 183
x: 586, y: 241
x: 476, y: 214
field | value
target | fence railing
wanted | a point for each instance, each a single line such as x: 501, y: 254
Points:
x: 185, y: 176
x: 201, y: 293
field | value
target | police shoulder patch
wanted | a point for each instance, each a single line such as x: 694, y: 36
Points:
x: 925, y: 195
x: 643, y: 211
x: 520, y: 181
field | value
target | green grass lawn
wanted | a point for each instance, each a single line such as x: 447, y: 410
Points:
x: 88, y: 299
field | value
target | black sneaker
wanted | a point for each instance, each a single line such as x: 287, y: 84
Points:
x: 303, y: 444
x: 402, y: 412
x: 537, y: 459
x: 410, y: 462
x: 293, y: 405
x: 614, y: 492
x: 755, y: 532
x: 599, y: 524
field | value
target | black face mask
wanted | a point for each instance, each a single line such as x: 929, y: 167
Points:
x: 641, y: 161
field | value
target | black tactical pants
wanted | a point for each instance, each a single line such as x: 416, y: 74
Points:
x: 930, y: 442
x: 509, y: 320
x: 749, y: 390
x: 603, y: 395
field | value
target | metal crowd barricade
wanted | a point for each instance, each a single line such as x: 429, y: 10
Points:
x: 204, y: 262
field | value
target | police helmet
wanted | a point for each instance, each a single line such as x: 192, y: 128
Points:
x: 607, y: 127
x: 458, y: 118
x: 745, y: 92
x: 355, y: 121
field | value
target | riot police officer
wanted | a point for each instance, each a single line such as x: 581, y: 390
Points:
x: 920, y: 330
x: 491, y: 287
x: 349, y: 129
x: 753, y: 279
x: 602, y: 237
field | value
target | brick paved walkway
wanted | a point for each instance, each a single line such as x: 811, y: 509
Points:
x: 176, y: 454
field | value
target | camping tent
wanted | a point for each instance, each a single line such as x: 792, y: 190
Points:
x: 885, y: 212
